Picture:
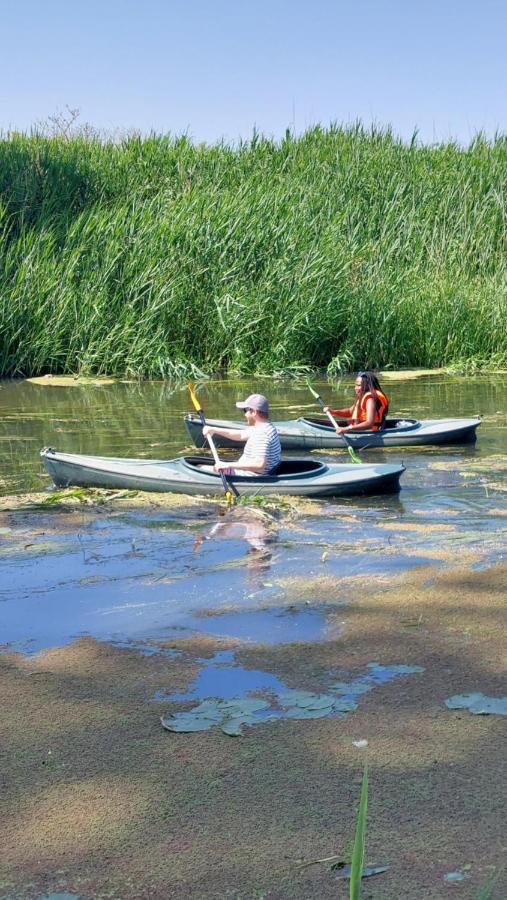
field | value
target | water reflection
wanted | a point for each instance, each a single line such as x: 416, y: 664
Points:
x: 255, y: 532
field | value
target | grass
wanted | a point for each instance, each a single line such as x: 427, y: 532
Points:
x: 359, y: 841
x: 341, y: 248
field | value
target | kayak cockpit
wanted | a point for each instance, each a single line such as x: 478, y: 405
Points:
x: 400, y: 425
x: 288, y: 468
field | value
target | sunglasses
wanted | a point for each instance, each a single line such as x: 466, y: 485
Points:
x: 250, y: 409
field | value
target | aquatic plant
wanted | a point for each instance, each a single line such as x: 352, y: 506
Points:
x: 487, y: 890
x: 359, y: 840
x: 342, y: 247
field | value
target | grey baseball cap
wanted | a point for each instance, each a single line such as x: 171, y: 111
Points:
x: 255, y: 401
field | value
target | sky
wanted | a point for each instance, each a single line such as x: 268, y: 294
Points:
x: 222, y: 68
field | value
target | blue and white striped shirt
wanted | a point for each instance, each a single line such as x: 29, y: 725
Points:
x: 263, y: 443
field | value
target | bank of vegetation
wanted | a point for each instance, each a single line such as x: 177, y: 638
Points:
x: 340, y: 248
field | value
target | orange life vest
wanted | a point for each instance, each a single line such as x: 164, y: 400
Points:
x: 381, y: 407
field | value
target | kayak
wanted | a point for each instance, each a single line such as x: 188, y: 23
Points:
x: 318, y: 434
x: 299, y: 477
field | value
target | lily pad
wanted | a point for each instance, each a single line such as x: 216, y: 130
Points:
x: 242, y: 705
x: 294, y: 697
x: 478, y: 704
x: 305, y: 699
x: 356, y: 687
x: 394, y: 671
x: 321, y: 701
x: 206, y: 710
x: 462, y: 701
x: 299, y: 712
x: 233, y: 727
x: 184, y: 723
x: 61, y: 897
x: 344, y: 705
x: 454, y: 877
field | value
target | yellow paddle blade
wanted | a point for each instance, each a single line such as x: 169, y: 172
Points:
x: 196, y: 404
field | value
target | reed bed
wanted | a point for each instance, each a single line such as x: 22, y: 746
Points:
x: 341, y: 248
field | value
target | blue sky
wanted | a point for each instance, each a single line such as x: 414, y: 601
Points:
x: 220, y: 68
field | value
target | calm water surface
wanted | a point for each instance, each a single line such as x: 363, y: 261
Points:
x: 140, y: 576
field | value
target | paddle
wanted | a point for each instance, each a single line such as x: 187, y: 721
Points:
x: 352, y: 453
x: 229, y: 487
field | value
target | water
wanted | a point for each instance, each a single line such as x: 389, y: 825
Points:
x: 144, y: 578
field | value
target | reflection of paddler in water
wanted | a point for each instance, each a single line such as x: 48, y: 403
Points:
x: 251, y: 528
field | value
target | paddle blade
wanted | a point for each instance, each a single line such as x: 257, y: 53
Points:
x: 311, y: 389
x: 353, y: 455
x: 195, y: 402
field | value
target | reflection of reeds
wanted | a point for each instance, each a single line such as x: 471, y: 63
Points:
x: 158, y: 258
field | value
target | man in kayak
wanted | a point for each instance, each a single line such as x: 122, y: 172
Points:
x: 262, y: 452
x: 370, y: 409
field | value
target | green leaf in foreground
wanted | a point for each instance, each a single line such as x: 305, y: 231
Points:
x: 486, y: 892
x: 358, y: 851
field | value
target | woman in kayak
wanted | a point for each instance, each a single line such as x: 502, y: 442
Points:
x: 370, y: 409
x: 262, y: 452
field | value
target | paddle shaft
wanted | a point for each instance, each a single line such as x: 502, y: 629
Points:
x: 228, y: 486
x: 334, y: 423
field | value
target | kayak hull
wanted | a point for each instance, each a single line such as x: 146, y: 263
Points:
x: 296, y: 477
x: 318, y: 434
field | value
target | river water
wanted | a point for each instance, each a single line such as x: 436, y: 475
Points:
x: 146, y: 576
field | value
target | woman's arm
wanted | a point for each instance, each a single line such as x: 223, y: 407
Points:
x: 368, y: 422
x: 341, y: 413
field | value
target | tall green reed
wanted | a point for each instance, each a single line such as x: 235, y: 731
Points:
x: 356, y: 868
x: 343, y: 247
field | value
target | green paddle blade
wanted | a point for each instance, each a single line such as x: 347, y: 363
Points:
x: 352, y: 453
x: 312, y: 390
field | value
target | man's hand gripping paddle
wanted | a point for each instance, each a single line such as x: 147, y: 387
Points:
x: 229, y: 488
x: 352, y: 453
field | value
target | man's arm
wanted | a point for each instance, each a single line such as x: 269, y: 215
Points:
x: 255, y: 464
x: 232, y: 434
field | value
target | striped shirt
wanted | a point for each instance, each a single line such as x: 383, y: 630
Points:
x: 263, y: 443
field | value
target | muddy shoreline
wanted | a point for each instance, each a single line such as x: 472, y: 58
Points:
x: 101, y: 802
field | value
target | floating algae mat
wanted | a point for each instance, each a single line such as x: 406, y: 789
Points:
x: 231, y: 696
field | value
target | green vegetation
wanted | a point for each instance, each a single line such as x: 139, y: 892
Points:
x: 358, y: 852
x: 342, y: 248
